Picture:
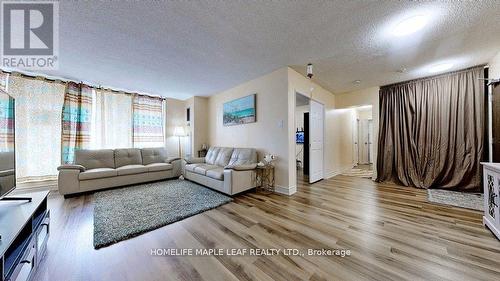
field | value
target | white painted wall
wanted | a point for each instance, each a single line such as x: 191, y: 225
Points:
x: 494, y: 71
x: 269, y: 134
x: 343, y: 127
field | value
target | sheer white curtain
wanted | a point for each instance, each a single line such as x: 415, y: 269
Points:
x: 112, y: 120
x: 37, y: 127
x: 4, y: 81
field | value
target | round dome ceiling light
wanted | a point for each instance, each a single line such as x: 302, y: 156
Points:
x: 410, y: 25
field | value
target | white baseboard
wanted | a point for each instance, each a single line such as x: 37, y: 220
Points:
x: 37, y: 186
x: 332, y: 174
x: 492, y: 227
x: 286, y: 190
x: 338, y: 171
x: 24, y: 190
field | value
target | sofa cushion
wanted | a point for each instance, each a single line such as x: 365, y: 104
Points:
x: 92, y: 159
x: 153, y: 155
x: 131, y: 170
x: 243, y: 156
x: 203, y: 168
x: 190, y: 167
x: 128, y: 156
x: 97, y: 173
x: 155, y: 167
x: 223, y: 156
x: 211, y: 156
x: 217, y: 173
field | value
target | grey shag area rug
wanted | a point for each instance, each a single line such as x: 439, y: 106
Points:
x: 120, y: 214
x: 472, y: 201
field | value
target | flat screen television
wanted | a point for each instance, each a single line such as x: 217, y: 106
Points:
x: 7, y: 145
x: 299, y: 137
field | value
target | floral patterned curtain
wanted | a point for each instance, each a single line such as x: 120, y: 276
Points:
x: 148, y: 122
x: 4, y: 80
x: 76, y: 118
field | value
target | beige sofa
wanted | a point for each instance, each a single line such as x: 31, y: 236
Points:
x: 105, y: 168
x: 225, y: 169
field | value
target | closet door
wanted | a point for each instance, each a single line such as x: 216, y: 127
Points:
x: 363, y: 141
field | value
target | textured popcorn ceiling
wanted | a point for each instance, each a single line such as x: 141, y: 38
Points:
x: 184, y: 48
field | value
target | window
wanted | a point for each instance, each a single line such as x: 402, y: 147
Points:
x: 112, y: 120
x: 38, y: 109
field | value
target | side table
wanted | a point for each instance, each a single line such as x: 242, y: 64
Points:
x: 202, y: 153
x: 264, y: 176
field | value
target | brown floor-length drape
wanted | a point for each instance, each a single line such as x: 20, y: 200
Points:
x: 495, y: 110
x: 432, y: 130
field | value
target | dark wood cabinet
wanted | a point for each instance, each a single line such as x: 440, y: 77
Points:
x: 24, y: 230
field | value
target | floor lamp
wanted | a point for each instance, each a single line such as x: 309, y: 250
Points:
x: 179, y: 132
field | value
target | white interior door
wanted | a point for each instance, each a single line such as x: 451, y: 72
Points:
x: 363, y: 142
x: 316, y: 131
x: 355, y: 147
x: 370, y: 141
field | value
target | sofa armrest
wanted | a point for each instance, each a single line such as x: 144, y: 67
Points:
x: 238, y: 181
x: 242, y: 167
x: 194, y: 160
x: 68, y: 182
x: 171, y: 159
x: 71, y: 167
x: 176, y: 167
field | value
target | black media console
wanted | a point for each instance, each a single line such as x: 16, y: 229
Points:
x: 24, y: 230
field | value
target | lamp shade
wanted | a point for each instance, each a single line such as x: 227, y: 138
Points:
x: 179, y: 132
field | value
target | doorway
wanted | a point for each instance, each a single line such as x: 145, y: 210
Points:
x: 309, y: 139
x: 362, y: 139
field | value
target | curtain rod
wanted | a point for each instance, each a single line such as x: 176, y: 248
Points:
x: 491, y: 80
x: 66, y: 81
x: 433, y: 76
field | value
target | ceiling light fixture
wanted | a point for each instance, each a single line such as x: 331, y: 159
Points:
x: 310, y: 70
x: 356, y: 82
x: 440, y: 67
x: 410, y: 25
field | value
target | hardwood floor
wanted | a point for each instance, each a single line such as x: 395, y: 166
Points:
x: 392, y: 233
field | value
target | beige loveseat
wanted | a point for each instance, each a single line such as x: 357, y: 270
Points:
x: 225, y: 169
x: 105, y: 168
